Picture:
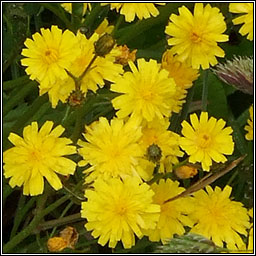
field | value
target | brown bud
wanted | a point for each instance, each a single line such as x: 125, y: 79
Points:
x: 76, y: 98
x: 185, y: 172
x: 104, y: 45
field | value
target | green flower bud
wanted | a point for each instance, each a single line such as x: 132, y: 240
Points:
x: 104, y: 45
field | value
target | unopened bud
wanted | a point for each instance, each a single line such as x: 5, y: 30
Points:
x: 154, y: 153
x: 238, y: 73
x: 104, y: 45
x: 185, y: 172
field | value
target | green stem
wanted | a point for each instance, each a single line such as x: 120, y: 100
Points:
x: 33, y: 224
x: 78, y: 125
x: 205, y: 90
x: 22, y: 93
x: 60, y: 221
x: 20, y: 206
x: 61, y: 217
x: 73, y: 194
x: 232, y: 177
x: 66, y: 114
x: 20, y: 215
x: 87, y: 68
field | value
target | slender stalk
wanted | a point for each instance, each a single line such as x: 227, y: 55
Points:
x: 33, y: 224
x: 60, y: 221
x: 66, y: 114
x: 61, y: 216
x: 87, y: 68
x: 20, y: 214
x: 78, y: 125
x: 73, y: 194
x: 205, y: 90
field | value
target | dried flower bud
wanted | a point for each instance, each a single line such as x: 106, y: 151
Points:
x: 104, y: 45
x: 185, y: 172
x: 154, y: 153
x: 56, y: 244
x: 67, y: 239
x: 76, y: 98
x: 238, y: 73
x: 125, y: 55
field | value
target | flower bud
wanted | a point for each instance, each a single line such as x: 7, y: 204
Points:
x: 185, y: 172
x: 104, y: 45
x: 238, y: 73
x: 154, y: 153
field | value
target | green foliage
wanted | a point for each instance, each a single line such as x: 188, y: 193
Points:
x: 190, y: 243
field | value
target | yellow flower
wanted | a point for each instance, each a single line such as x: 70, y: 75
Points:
x: 206, y: 140
x: 68, y: 7
x: 173, y: 214
x: 218, y: 218
x: 183, y: 75
x: 250, y: 237
x: 195, y: 38
x: 147, y: 92
x: 40, y: 154
x: 104, y: 28
x: 103, y: 68
x: 112, y: 149
x: 247, y: 18
x: 117, y: 209
x: 156, y: 132
x: 130, y: 10
x: 49, y: 54
x: 249, y: 127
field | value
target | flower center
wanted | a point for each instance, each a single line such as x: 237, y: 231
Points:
x: 204, y: 141
x: 36, y: 156
x: 147, y: 95
x: 195, y: 37
x: 51, y: 56
x: 121, y: 210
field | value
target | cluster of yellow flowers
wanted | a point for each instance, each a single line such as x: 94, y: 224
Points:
x: 123, y: 153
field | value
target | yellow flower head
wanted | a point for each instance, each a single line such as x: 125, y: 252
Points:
x: 247, y: 18
x: 183, y: 75
x: 68, y: 7
x: 117, y: 209
x: 103, y: 68
x: 104, y: 28
x: 112, y: 149
x: 219, y: 218
x: 173, y: 214
x: 39, y: 154
x: 147, y: 91
x: 156, y: 132
x: 130, y: 10
x: 249, y: 126
x: 194, y: 37
x: 206, y: 140
x: 49, y: 54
